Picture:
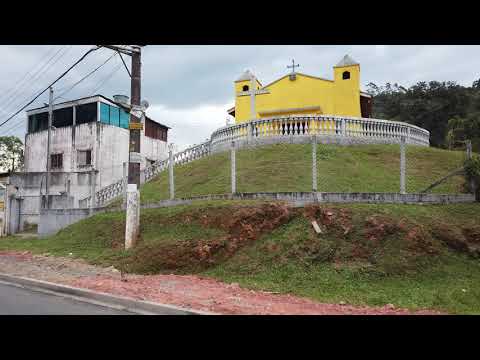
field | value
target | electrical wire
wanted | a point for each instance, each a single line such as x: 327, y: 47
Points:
x: 12, y: 99
x: 104, y: 80
x: 86, y: 76
x: 17, y: 83
x: 20, y: 122
x: 53, y: 83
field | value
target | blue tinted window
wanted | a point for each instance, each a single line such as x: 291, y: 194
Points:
x: 124, y: 119
x: 104, y: 113
x: 114, y: 116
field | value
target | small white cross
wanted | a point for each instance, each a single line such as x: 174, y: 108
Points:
x: 293, y: 66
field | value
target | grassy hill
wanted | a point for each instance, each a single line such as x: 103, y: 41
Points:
x: 410, y: 255
x: 414, y: 256
x: 287, y: 167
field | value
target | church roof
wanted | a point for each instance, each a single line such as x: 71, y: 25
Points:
x: 247, y: 75
x: 347, y: 61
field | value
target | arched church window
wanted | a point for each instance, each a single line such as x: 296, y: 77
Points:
x: 346, y: 75
x: 245, y: 88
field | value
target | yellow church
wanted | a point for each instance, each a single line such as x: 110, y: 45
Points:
x: 301, y: 94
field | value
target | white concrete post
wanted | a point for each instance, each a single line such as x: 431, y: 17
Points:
x: 125, y: 184
x: 171, y: 182
x: 402, y: 166
x: 344, y: 128
x: 314, y: 164
x: 469, y: 157
x: 469, y: 149
x: 249, y: 133
x: 233, y: 166
x: 93, y: 181
x: 132, y: 226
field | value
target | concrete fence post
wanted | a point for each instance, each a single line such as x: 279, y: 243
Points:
x: 93, y: 181
x: 132, y: 224
x: 171, y: 182
x: 473, y: 186
x: 249, y: 133
x: 125, y: 184
x: 233, y: 166
x: 344, y: 128
x: 402, y: 166
x: 469, y: 149
x: 314, y: 164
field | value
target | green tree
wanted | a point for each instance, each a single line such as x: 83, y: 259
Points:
x: 11, y: 153
x: 429, y: 105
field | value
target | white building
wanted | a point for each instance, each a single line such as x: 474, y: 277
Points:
x: 89, y: 136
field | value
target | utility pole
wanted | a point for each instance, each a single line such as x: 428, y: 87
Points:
x: 135, y: 121
x: 49, y: 137
x: 137, y: 114
x: 137, y: 111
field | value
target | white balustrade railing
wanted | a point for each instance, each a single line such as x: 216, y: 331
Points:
x: 357, y: 129
x: 117, y: 188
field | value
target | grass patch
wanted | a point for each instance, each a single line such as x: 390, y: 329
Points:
x: 413, y: 256
x: 287, y: 167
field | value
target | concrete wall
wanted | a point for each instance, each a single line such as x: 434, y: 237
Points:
x: 51, y: 221
x: 153, y: 149
x: 64, y: 140
x: 312, y: 197
x: 112, y: 153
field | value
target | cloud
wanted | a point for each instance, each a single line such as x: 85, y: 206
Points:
x: 191, y: 87
x: 192, y: 125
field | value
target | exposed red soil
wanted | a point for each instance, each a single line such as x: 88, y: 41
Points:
x: 242, y: 225
x: 214, y: 296
x: 186, y: 291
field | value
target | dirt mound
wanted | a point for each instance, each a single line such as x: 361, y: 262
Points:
x: 466, y: 239
x: 336, y: 219
x: 241, y: 224
x: 377, y: 242
x: 377, y: 227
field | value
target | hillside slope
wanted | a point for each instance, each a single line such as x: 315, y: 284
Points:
x: 409, y: 255
x: 287, y: 167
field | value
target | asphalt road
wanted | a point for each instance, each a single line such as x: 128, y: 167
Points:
x: 22, y: 301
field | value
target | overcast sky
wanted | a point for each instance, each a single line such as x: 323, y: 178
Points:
x: 189, y: 88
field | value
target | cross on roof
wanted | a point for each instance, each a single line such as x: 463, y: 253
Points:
x: 293, y: 66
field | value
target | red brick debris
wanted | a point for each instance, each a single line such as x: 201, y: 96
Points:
x: 187, y: 291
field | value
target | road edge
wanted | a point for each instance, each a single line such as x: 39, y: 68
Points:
x: 129, y: 304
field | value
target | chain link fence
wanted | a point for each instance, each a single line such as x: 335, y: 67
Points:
x: 274, y: 168
x: 306, y: 167
x: 433, y: 170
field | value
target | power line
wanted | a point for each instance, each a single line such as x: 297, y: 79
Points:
x: 108, y: 77
x: 17, y: 83
x: 38, y: 74
x: 21, y: 123
x: 123, y: 61
x: 86, y: 76
x: 36, y: 78
x: 53, y: 83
